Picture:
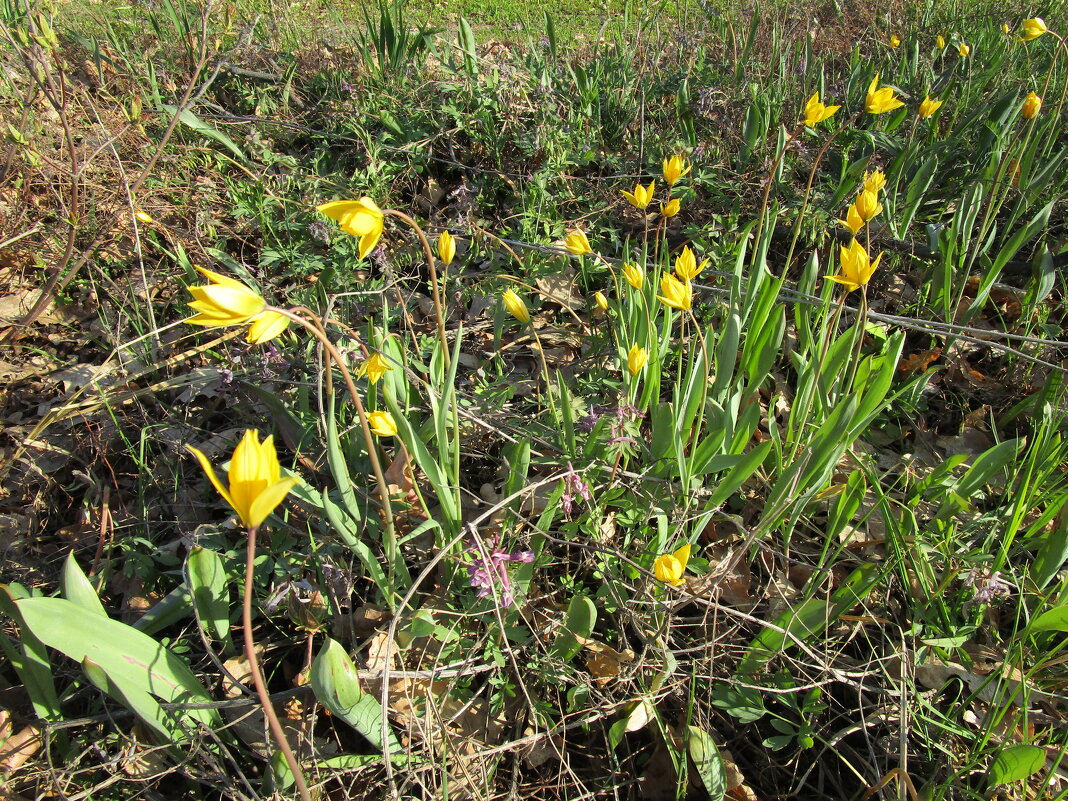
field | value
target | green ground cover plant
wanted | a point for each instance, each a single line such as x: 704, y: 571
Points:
x: 471, y: 402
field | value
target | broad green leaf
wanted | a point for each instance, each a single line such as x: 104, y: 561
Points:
x: 188, y: 118
x: 172, y: 607
x: 137, y: 701
x: 337, y: 687
x: 77, y: 588
x: 709, y: 763
x: 1015, y: 763
x: 206, y: 576
x: 31, y: 661
x: 1052, y: 620
x: 129, y: 657
x: 579, y: 621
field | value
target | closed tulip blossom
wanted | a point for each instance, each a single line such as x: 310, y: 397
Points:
x: 929, y: 107
x: 855, y: 268
x: 446, y: 248
x: 676, y: 294
x: 636, y: 359
x: 516, y: 306
x: 816, y: 112
x: 853, y: 221
x: 577, y: 244
x: 1033, y: 28
x: 964, y: 50
x: 674, y: 169
x: 642, y: 196
x: 686, y: 266
x: 880, y: 101
x: 940, y: 42
x: 1005, y: 28
x: 868, y: 205
x: 1032, y: 105
x: 255, y: 480
x: 382, y: 424
x: 360, y: 218
x: 634, y: 275
x: 669, y: 567
x: 600, y: 300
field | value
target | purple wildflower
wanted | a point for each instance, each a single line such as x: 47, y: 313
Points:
x: 488, y: 567
x: 573, y: 485
x: 988, y: 585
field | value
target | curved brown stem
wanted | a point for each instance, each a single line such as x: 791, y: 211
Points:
x: 432, y: 266
x: 257, y: 676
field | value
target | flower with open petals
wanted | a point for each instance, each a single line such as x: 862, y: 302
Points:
x: 671, y: 208
x: 895, y: 40
x: 516, y: 306
x: 964, y: 50
x: 600, y: 300
x: 855, y: 269
x: 1031, y: 106
x: 375, y: 367
x: 642, y: 196
x: 868, y: 205
x: 577, y: 244
x: 677, y: 294
x: 853, y: 221
x: 446, y: 248
x: 669, y: 567
x: 686, y: 266
x: 382, y: 424
x: 636, y: 359
x: 880, y: 101
x: 816, y: 112
x: 1033, y: 28
x: 360, y: 218
x: 674, y: 169
x: 634, y: 275
x: 940, y: 42
x: 255, y: 480
x: 929, y: 107
x: 874, y: 181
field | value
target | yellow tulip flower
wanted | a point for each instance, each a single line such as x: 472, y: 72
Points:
x: 929, y: 107
x: 642, y: 196
x: 636, y: 359
x: 671, y: 208
x: 816, y: 112
x: 855, y: 268
x: 853, y: 221
x: 255, y: 479
x: 674, y: 169
x: 1033, y: 28
x: 874, y: 181
x: 375, y: 367
x: 940, y: 42
x: 879, y: 101
x: 634, y: 275
x: 577, y: 244
x: 515, y: 305
x: 669, y: 567
x: 600, y: 300
x: 225, y: 301
x: 895, y: 40
x: 868, y: 205
x: 143, y: 216
x: 266, y: 326
x: 964, y: 50
x: 360, y: 218
x: 686, y: 267
x: 677, y: 294
x: 1031, y: 106
x: 382, y: 424
x: 446, y: 248
x: 1005, y: 28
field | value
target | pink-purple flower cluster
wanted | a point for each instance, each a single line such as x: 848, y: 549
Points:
x: 488, y: 567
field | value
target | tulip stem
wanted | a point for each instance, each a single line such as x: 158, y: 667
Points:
x: 257, y: 676
x: 390, y: 539
x: 431, y: 265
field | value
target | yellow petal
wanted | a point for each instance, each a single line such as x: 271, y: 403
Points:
x: 206, y: 466
x: 266, y: 326
x: 266, y: 501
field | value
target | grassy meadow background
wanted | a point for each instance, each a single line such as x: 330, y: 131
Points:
x: 646, y: 401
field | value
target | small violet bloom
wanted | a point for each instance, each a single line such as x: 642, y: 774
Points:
x: 488, y: 567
